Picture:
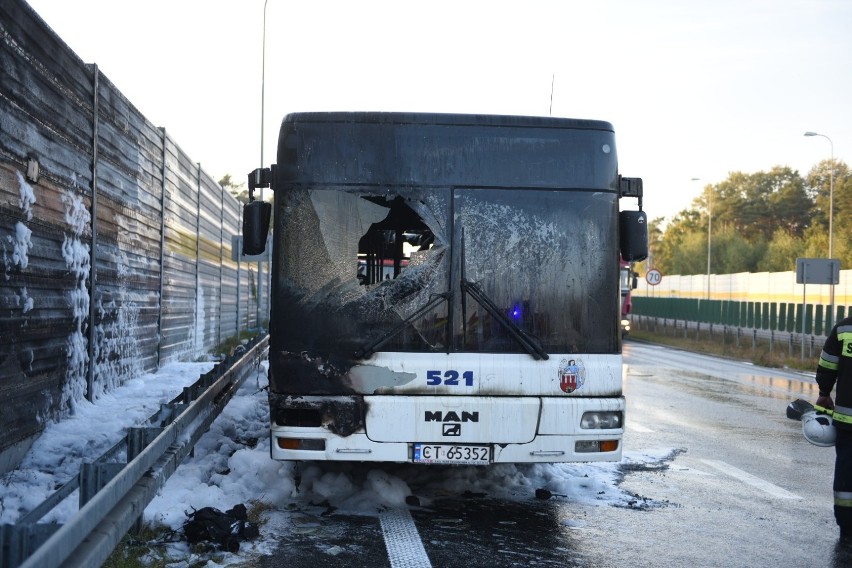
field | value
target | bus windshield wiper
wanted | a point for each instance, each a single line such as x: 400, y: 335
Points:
x: 371, y: 348
x: 529, y: 343
x: 525, y: 340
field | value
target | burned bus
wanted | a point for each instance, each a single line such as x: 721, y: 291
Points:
x: 445, y: 288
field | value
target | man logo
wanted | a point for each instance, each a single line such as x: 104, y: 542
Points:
x: 452, y: 429
x: 452, y: 416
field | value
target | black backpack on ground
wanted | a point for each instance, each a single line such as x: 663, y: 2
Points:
x: 225, y: 530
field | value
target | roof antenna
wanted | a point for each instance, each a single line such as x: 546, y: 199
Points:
x: 552, y: 80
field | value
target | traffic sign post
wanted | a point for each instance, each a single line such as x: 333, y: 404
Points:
x: 653, y: 277
x: 815, y: 271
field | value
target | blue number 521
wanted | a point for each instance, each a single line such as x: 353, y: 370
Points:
x: 450, y: 378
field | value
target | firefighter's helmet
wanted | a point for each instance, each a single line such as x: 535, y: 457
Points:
x: 818, y: 428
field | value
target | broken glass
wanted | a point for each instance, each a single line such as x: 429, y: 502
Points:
x: 356, y: 265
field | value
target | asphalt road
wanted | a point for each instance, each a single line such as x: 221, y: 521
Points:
x: 741, y: 488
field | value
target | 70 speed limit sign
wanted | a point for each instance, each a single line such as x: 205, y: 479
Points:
x: 654, y: 277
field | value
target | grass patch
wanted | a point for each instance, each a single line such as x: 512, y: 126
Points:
x: 143, y: 550
x: 257, y: 510
x: 149, y: 547
x: 228, y: 345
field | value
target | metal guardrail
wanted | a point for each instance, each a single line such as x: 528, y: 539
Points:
x: 113, y: 495
x: 806, y: 345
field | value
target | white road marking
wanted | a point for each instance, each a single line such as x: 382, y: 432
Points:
x: 637, y: 428
x: 685, y: 469
x: 748, y: 478
x: 405, y: 549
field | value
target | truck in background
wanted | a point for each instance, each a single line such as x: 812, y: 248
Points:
x: 629, y: 282
x: 445, y: 287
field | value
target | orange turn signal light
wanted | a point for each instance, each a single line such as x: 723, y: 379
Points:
x: 288, y: 443
x: 311, y: 444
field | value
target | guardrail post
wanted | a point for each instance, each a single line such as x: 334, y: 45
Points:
x: 138, y: 439
x: 94, y: 477
x: 18, y: 542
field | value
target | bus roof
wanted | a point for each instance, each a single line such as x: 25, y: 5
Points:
x: 369, y: 149
x: 446, y: 119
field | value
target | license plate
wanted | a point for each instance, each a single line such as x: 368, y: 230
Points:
x: 440, y: 453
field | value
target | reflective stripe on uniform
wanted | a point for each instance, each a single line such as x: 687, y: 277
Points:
x: 843, y: 498
x: 844, y: 335
x: 827, y: 361
x: 842, y: 414
x: 845, y: 418
x: 838, y: 413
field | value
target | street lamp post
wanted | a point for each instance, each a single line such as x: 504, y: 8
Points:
x: 262, y: 88
x: 709, y: 232
x: 262, y: 121
x: 830, y: 215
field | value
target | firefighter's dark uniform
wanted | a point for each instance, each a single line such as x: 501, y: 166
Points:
x: 835, y: 371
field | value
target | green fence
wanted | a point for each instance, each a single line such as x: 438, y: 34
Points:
x: 756, y: 315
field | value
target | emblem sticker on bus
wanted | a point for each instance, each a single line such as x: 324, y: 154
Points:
x: 571, y: 375
x: 450, y: 378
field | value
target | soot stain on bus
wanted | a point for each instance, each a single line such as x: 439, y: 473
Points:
x: 342, y: 416
x: 374, y: 257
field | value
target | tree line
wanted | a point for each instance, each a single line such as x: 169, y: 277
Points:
x: 760, y: 222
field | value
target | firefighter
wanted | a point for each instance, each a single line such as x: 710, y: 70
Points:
x: 835, y: 370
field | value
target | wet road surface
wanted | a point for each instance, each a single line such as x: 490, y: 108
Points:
x: 739, y: 487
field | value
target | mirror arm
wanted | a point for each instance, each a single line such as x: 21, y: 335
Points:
x: 630, y: 187
x: 261, y: 177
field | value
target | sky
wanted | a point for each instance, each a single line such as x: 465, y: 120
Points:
x: 694, y: 89
x: 226, y: 469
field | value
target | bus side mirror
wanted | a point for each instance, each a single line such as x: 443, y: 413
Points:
x: 256, y: 216
x: 633, y: 230
x: 635, y: 280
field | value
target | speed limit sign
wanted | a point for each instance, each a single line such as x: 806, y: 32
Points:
x: 654, y: 277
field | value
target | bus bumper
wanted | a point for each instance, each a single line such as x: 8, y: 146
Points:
x: 557, y: 434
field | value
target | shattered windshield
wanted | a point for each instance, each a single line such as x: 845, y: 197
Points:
x: 356, y: 266
x: 363, y: 270
x: 546, y: 260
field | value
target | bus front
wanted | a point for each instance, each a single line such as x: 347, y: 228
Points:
x: 446, y: 289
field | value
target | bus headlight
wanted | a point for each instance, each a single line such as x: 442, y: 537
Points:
x: 601, y: 420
